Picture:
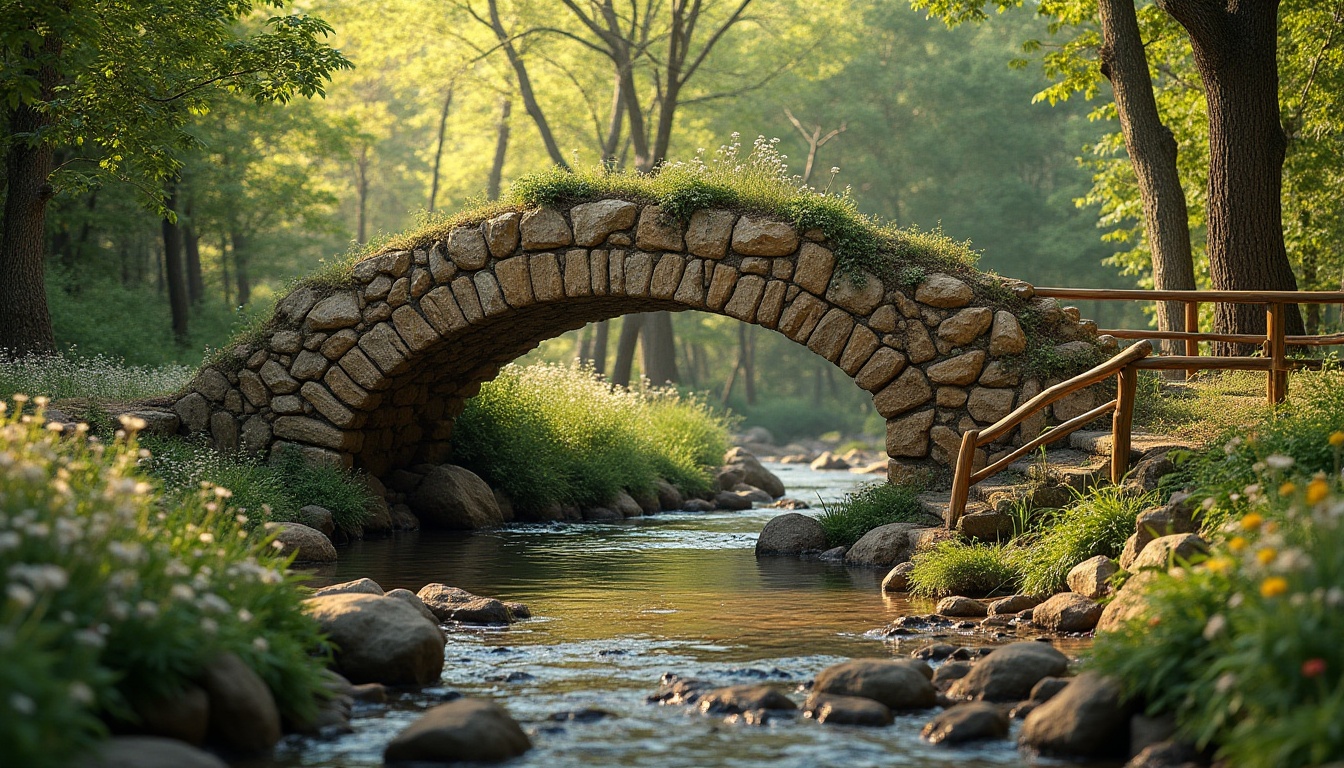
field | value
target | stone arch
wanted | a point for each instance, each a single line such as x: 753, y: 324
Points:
x: 372, y: 373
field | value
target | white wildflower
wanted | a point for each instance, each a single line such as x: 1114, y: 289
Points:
x: 1279, y: 461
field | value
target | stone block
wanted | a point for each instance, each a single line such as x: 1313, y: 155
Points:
x: 911, y: 389
x: 467, y: 248
x: 657, y: 233
x: 515, y: 281
x: 501, y: 234
x: 758, y: 236
x: 709, y: 233
x: 745, y: 298
x: 593, y: 222
x: 544, y: 228
x: 547, y: 283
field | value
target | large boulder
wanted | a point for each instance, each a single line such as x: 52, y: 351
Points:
x: 244, y: 718
x: 379, y: 640
x: 884, y: 546
x: 183, y: 715
x: 846, y: 710
x: 1067, y: 612
x: 148, y: 752
x: 309, y: 545
x: 363, y: 586
x: 1091, y: 578
x: 791, y: 534
x: 1087, y: 719
x: 753, y: 473
x: 898, y: 684
x: 465, y: 730
x: 1166, y: 551
x: 454, y: 498
x: 453, y: 604
x: 1010, y: 672
x: 898, y: 578
x: 1128, y: 603
x: 975, y: 721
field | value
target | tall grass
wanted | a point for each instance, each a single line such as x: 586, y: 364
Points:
x: 1097, y: 523
x: 870, y: 507
x: 97, y: 378
x: 975, y: 570
x: 549, y: 434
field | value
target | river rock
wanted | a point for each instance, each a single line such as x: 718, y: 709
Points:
x: 244, y: 718
x: 309, y: 545
x: 847, y: 710
x: 743, y: 698
x: 961, y: 607
x: 356, y: 587
x: 986, y: 526
x: 731, y: 500
x: 1168, y: 754
x: 465, y: 730
x: 898, y: 684
x: 669, y: 498
x: 975, y: 721
x: 626, y: 505
x: 790, y: 534
x: 828, y: 460
x: 453, y: 604
x: 1067, y: 612
x: 1047, y: 688
x: 410, y: 598
x: 184, y: 715
x: 884, y: 546
x: 753, y: 472
x: 898, y: 578
x: 454, y: 498
x: 1128, y: 603
x: 1013, y: 604
x: 379, y: 640
x: 1148, y: 473
x: 1090, y: 578
x: 1010, y: 672
x: 1166, y: 520
x: 319, y: 518
x: 751, y: 492
x: 949, y: 671
x: 148, y: 752
x: 1165, y: 551
x: 1087, y: 719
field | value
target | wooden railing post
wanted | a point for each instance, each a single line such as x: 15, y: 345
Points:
x: 961, y: 481
x: 1191, y: 326
x: 1277, y: 350
x: 1121, y: 423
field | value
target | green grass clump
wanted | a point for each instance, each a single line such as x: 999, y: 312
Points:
x: 548, y: 434
x: 1097, y: 523
x: 958, y: 568
x: 95, y: 378
x: 870, y: 507
x: 114, y: 593
x: 266, y: 492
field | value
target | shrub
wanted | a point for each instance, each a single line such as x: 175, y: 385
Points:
x: 870, y: 507
x: 112, y: 592
x: 548, y: 434
x: 1096, y: 523
x: 1244, y: 648
x: 957, y: 568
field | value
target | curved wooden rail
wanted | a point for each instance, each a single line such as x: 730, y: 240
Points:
x: 1123, y: 366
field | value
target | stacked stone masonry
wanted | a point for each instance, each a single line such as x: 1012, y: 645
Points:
x: 372, y: 375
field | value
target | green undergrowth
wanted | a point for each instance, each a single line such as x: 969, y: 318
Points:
x: 93, y: 378
x: 549, y: 434
x: 114, y: 594
x: 953, y: 567
x: 871, y: 506
x: 266, y: 491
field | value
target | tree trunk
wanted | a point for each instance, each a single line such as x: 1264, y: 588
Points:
x: 1152, y: 152
x: 361, y: 198
x: 599, y: 353
x: 660, y: 350
x: 174, y: 273
x: 227, y: 279
x: 1236, y: 52
x: 238, y: 241
x: 583, y: 346
x: 195, y: 281
x: 525, y: 88
x: 747, y: 339
x: 501, y: 149
x: 625, y: 349
x: 438, y: 148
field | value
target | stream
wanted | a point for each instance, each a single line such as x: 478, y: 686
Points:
x: 618, y: 605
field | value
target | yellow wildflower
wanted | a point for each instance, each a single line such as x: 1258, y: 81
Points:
x: 1317, y: 490
x: 1337, y: 439
x: 1252, y: 521
x: 1218, y: 564
x: 1287, y: 489
x: 1236, y: 544
x: 1266, y: 555
x: 1273, y: 586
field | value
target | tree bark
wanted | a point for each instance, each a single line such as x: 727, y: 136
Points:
x: 525, y: 88
x: 25, y: 321
x: 747, y: 339
x: 438, y: 148
x: 599, y: 353
x: 226, y: 279
x: 174, y: 273
x: 625, y: 349
x: 241, y: 259
x: 1235, y: 44
x: 191, y: 242
x: 659, y: 349
x: 1152, y: 152
x: 361, y: 198
x: 501, y: 149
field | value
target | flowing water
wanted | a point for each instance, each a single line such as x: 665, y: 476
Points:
x: 619, y: 605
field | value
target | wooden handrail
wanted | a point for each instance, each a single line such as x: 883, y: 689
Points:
x: 1230, y: 297
x: 1045, y: 438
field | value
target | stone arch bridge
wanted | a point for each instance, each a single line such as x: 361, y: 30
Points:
x: 372, y: 374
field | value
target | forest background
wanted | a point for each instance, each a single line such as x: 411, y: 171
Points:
x: 969, y: 129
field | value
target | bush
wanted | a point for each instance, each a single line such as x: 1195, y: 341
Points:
x: 957, y: 568
x: 112, y: 592
x: 1244, y: 648
x: 265, y: 492
x: 548, y: 434
x: 1097, y: 523
x: 870, y: 507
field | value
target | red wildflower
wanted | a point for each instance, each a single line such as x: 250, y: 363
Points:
x: 1313, y: 667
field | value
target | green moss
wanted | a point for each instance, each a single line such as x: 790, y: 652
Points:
x: 869, y: 507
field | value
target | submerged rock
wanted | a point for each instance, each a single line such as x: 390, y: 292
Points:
x: 466, y: 730
x: 847, y: 710
x: 898, y: 684
x: 1009, y: 673
x: 454, y: 604
x: 743, y: 698
x: 790, y: 534
x: 975, y: 721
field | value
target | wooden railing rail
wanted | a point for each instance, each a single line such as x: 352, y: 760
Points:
x: 1122, y: 366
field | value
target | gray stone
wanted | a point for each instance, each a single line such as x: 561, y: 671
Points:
x: 756, y: 236
x: 544, y: 228
x: 1067, y: 612
x: 989, y: 405
x: 455, y: 498
x: 318, y: 518
x: 898, y: 578
x: 410, y: 598
x: 1166, y: 551
x: 194, y: 411
x: 465, y: 730
x: 308, y: 545
x: 897, y: 684
x: 834, y: 709
x: 709, y: 232
x: 1010, y: 672
x: 884, y: 546
x: 379, y: 640
x: 1128, y: 603
x: 815, y: 265
x: 593, y: 222
x: 965, y: 326
x: 363, y: 586
x: 1006, y: 337
x: 501, y: 234
x: 243, y: 716
x: 736, y: 699
x: 1087, y: 719
x: 791, y: 534
x: 910, y: 390
x: 1091, y: 578
x: 1013, y: 604
x: 975, y: 721
x: 656, y: 233
x: 945, y: 291
x: 148, y: 752
x: 958, y: 371
x: 337, y: 311
x: 986, y: 526
x: 957, y: 606
x: 454, y: 604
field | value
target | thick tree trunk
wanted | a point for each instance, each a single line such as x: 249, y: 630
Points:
x: 625, y: 349
x: 660, y: 349
x: 241, y: 258
x: 438, y: 148
x: 501, y: 149
x: 1236, y: 51
x: 173, y: 271
x: 599, y: 353
x: 1152, y: 151
x: 361, y: 197
x: 191, y: 242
